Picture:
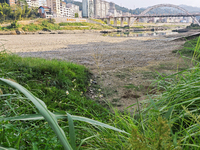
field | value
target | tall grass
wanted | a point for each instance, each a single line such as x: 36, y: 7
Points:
x: 167, y: 120
x: 51, y: 118
x: 49, y: 80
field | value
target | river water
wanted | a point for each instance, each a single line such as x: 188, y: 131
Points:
x: 140, y: 34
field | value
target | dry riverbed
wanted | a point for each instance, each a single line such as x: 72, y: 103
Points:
x: 122, y: 66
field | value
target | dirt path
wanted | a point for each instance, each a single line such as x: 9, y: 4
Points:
x: 122, y: 66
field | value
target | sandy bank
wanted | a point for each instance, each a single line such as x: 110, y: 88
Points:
x: 48, y: 42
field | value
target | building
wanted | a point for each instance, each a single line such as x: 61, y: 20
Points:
x: 11, y: 2
x: 112, y: 10
x: 87, y: 8
x: 107, y: 7
x: 54, y: 5
x: 69, y: 10
x: 42, y: 3
x: 28, y: 3
x: 45, y: 12
x: 35, y: 3
x: 97, y: 8
x: 74, y: 9
x: 119, y: 13
x: 101, y: 8
x: 32, y: 3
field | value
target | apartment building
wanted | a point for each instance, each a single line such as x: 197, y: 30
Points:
x: 42, y: 3
x: 69, y: 10
x: 54, y: 5
x: 112, y: 10
x: 35, y: 3
x: 32, y: 3
x: 88, y: 8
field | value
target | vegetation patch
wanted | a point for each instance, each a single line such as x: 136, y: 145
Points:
x: 49, y: 24
x: 100, y: 21
x: 168, y: 119
x: 191, y: 48
x: 59, y: 84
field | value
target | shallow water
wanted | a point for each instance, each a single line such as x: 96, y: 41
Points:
x: 140, y: 34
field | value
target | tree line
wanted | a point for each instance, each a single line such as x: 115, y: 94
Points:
x: 17, y: 11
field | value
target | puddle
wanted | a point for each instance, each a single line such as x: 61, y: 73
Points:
x: 140, y: 34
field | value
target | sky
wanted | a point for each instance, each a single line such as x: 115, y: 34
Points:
x: 132, y: 4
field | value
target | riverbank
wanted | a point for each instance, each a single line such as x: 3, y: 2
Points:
x: 49, y: 42
x: 114, y: 62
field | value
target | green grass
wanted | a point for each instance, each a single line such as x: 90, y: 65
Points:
x: 49, y: 81
x: 47, y: 25
x: 189, y: 48
x: 74, y: 24
x: 168, y: 120
x: 99, y: 20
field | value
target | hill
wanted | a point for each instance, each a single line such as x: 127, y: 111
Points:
x: 190, y: 8
x: 76, y: 3
x: 137, y: 11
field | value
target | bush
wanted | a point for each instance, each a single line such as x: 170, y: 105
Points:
x: 32, y: 27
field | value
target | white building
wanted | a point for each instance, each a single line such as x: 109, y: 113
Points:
x: 107, y: 4
x: 103, y: 9
x: 97, y: 8
x: 55, y: 7
x: 32, y: 3
x: 35, y: 3
x: 73, y: 10
x: 112, y: 10
x: 42, y: 3
x: 69, y: 10
x: 88, y: 8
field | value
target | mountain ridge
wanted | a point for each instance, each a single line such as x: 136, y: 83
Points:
x: 137, y: 11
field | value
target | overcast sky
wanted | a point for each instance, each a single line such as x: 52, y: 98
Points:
x: 132, y: 4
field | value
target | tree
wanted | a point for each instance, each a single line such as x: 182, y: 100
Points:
x: 2, y: 1
x: 76, y: 15
x: 6, y: 9
x: 19, y: 13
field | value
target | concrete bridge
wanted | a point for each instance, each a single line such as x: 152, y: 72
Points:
x: 131, y: 19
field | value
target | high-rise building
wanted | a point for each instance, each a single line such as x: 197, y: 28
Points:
x: 88, y: 8
x: 107, y: 8
x: 112, y: 10
x: 55, y: 7
x: 97, y: 8
x: 103, y: 9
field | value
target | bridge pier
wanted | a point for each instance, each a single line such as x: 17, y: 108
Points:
x: 122, y: 21
x: 115, y: 21
x: 129, y: 21
x: 102, y: 19
x: 108, y: 21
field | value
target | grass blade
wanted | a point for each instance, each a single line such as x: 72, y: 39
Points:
x: 4, y: 148
x: 94, y: 122
x: 62, y: 116
x: 40, y: 105
x: 72, y: 134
